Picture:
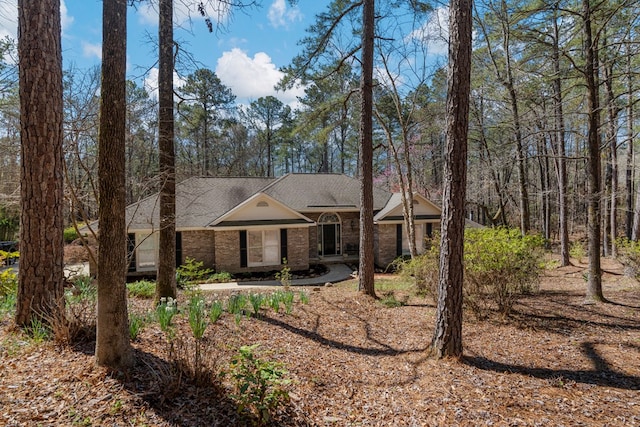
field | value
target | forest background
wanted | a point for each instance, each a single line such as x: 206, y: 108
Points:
x: 528, y: 145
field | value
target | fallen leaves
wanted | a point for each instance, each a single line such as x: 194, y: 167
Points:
x: 355, y: 362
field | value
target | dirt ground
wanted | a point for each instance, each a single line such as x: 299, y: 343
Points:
x: 355, y: 362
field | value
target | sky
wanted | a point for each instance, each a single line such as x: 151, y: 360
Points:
x: 246, y: 53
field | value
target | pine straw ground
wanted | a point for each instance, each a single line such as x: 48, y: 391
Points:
x: 355, y: 362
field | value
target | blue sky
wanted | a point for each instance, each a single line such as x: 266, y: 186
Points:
x: 246, y: 55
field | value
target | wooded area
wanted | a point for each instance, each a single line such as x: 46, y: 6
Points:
x: 528, y: 121
x: 529, y: 125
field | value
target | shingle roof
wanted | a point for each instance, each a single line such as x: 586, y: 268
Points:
x: 200, y: 201
x: 307, y: 192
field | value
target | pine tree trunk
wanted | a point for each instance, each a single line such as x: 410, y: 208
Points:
x: 112, y: 341
x: 594, y: 282
x: 41, y: 279
x: 166, y: 284
x: 561, y: 162
x: 367, y: 262
x: 447, y: 340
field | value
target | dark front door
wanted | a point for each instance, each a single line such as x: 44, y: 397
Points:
x: 329, y: 239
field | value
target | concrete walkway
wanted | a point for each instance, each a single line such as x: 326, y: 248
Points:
x: 336, y: 273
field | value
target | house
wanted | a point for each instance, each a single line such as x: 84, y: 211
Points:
x: 250, y: 224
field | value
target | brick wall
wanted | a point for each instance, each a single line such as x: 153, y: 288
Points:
x: 228, y: 251
x: 199, y: 245
x: 386, y: 244
x: 298, y: 248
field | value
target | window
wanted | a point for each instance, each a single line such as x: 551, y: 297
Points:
x: 146, y: 253
x: 329, y: 236
x: 263, y: 247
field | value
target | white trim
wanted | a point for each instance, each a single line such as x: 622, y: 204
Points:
x: 250, y: 200
x: 260, y: 227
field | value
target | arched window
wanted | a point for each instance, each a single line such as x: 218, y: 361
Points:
x: 329, y: 234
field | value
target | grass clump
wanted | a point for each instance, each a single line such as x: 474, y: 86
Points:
x: 143, y: 289
x: 215, y: 311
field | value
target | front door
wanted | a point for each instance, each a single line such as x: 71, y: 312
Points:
x: 329, y: 239
x: 329, y: 242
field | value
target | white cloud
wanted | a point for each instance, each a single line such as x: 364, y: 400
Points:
x: 9, y: 18
x: 151, y: 82
x: 252, y: 78
x: 65, y: 19
x: 280, y: 16
x: 92, y: 50
x: 435, y: 32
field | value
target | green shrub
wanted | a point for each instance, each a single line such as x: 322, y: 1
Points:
x: 500, y: 265
x: 577, y: 251
x: 8, y: 291
x: 8, y: 257
x: 423, y: 271
x: 70, y: 234
x: 284, y: 275
x: 8, y: 283
x: 144, y: 289
x: 220, y: 277
x: 629, y: 256
x: 191, y: 272
x: 260, y: 385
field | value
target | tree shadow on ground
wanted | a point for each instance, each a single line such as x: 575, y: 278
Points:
x: 167, y: 390
x: 381, y: 349
x: 602, y: 374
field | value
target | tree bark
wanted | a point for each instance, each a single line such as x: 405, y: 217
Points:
x: 629, y: 217
x: 594, y: 282
x: 447, y: 340
x: 560, y: 162
x: 366, y: 266
x: 41, y: 279
x: 166, y: 285
x: 112, y: 341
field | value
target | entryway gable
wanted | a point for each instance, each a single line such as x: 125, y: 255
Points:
x: 261, y: 207
x: 423, y: 209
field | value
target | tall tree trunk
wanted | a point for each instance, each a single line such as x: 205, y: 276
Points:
x: 447, y: 339
x: 631, y: 231
x: 630, y: 151
x: 612, y: 167
x: 367, y: 263
x: 41, y: 279
x: 561, y: 161
x: 112, y: 341
x: 166, y: 286
x: 594, y: 282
